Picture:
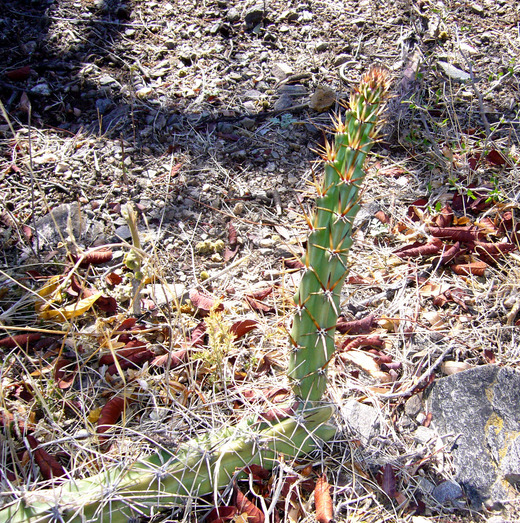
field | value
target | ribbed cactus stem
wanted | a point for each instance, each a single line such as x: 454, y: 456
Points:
x: 318, y: 298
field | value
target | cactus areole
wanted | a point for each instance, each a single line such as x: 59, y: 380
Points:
x: 318, y: 298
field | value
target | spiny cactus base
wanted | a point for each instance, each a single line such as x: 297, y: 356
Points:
x: 318, y: 298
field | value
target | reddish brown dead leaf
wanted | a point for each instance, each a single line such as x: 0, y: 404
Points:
x: 362, y: 341
x: 393, y: 171
x: 174, y: 359
x: 420, y: 249
x: 19, y: 75
x: 63, y: 373
x: 49, y: 466
x: 132, y: 347
x: 257, y: 305
x: 382, y: 217
x: 229, y: 254
x: 356, y: 279
x: 469, y: 233
x: 490, y: 356
x: 416, y: 209
x: 293, y: 263
x: 107, y: 304
x: 232, y: 235
x: 388, y: 483
x: 204, y: 303
x: 364, y: 325
x: 198, y: 334
x: 258, y: 472
x: 465, y: 269
x: 113, y: 279
x: 323, y: 500
x: 261, y: 294
x: 24, y: 341
x: 135, y: 360
x: 96, y: 257
x: 110, y: 414
x: 242, y: 327
x: 127, y: 324
x: 445, y: 218
x: 244, y: 506
x: 495, y: 157
x: 279, y: 413
x: 449, y: 254
x: 221, y: 514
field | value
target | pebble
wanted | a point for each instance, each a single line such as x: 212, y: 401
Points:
x: 447, y: 491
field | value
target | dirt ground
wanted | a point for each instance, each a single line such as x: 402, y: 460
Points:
x: 207, y: 117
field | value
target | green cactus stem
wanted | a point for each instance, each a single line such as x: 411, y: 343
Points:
x: 318, y: 298
x: 199, y: 467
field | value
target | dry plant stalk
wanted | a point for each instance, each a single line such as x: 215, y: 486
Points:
x: 210, y: 462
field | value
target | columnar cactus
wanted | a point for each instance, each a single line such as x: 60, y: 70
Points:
x: 318, y: 298
x: 206, y: 464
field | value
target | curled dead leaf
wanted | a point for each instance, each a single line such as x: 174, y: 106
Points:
x: 110, y: 414
x: 23, y: 341
x: 244, y: 506
x: 469, y: 233
x: 323, y: 500
x: 420, y: 249
x: 49, y: 465
x: 467, y: 269
x: 364, y: 325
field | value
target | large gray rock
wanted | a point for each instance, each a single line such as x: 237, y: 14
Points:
x: 482, y: 407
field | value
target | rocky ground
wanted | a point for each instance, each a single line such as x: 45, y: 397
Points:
x: 206, y: 117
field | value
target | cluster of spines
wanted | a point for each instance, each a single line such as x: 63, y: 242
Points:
x: 318, y: 298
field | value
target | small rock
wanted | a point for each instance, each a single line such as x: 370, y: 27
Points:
x: 109, y: 81
x: 362, y: 419
x: 413, y: 405
x: 341, y: 59
x: 254, y: 15
x: 319, y: 47
x: 42, y: 89
x: 233, y: 15
x: 281, y: 71
x: 453, y: 72
x: 165, y: 293
x: 423, y: 434
x: 447, y: 491
x: 481, y: 406
x: 284, y: 102
x: 290, y: 15
x: 252, y: 94
x: 170, y: 44
x: 305, y: 16
x: 248, y: 123
x: 323, y: 99
x: 477, y: 8
x: 103, y: 105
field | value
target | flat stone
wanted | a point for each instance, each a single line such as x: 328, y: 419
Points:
x: 363, y: 420
x: 67, y: 218
x: 453, y: 72
x: 281, y: 71
x: 482, y: 407
x: 166, y: 294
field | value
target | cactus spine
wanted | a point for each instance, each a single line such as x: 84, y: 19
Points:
x: 318, y: 298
